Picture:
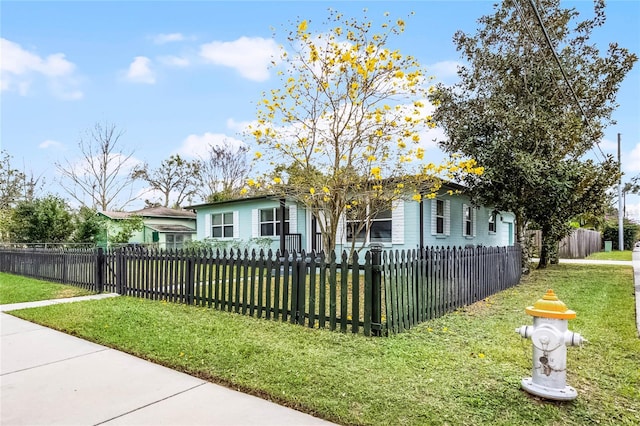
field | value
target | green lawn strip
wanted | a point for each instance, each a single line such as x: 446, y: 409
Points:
x: 612, y: 255
x: 463, y: 368
x: 17, y: 289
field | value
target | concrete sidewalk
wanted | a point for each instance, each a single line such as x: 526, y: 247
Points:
x: 51, y: 378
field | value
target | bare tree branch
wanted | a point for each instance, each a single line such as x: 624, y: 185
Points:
x: 103, y: 173
x: 175, y: 178
x: 223, y: 171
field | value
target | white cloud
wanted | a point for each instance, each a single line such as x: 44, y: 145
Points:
x: 429, y: 138
x: 632, y: 162
x: 607, y: 146
x: 140, y: 71
x: 238, y: 126
x: 444, y: 70
x: 195, y: 146
x: 51, y: 144
x: 19, y: 68
x: 632, y: 211
x: 174, y: 61
x: 168, y: 38
x: 251, y: 57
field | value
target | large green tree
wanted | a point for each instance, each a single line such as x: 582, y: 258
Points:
x: 42, y: 220
x: 88, y: 226
x: 531, y: 104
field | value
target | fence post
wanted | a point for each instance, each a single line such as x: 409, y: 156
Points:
x: 65, y: 265
x: 376, y: 292
x: 190, y: 276
x: 99, y: 284
x: 121, y: 271
x: 302, y: 286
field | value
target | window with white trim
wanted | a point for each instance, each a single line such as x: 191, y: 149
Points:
x: 176, y: 241
x: 270, y: 222
x: 222, y: 225
x: 492, y: 222
x: 380, y: 230
x: 440, y: 217
x: 467, y: 221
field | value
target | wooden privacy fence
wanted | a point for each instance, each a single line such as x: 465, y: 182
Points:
x: 578, y: 245
x: 305, y: 289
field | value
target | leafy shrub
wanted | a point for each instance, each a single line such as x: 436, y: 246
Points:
x: 631, y: 234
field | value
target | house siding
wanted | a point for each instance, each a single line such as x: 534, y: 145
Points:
x: 409, y: 217
x: 245, y: 225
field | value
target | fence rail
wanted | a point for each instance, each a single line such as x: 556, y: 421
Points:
x: 306, y: 289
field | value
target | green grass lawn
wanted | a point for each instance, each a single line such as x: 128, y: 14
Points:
x: 612, y: 255
x: 462, y: 369
x: 16, y: 289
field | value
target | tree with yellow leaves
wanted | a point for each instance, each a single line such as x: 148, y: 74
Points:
x: 342, y: 133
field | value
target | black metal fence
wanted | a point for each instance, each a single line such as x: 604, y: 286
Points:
x: 385, y: 292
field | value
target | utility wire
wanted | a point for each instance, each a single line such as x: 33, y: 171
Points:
x: 566, y: 79
x: 534, y: 38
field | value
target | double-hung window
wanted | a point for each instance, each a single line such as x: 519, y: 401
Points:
x: 380, y: 229
x: 222, y: 225
x: 270, y: 222
x: 492, y: 222
x: 468, y: 221
x: 440, y: 217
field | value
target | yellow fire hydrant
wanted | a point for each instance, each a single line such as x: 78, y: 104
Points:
x: 550, y: 337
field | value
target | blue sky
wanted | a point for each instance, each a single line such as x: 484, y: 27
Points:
x: 178, y: 75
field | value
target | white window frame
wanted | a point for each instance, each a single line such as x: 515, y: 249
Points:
x: 439, y: 217
x: 367, y: 237
x: 468, y: 221
x: 275, y: 222
x: 446, y: 218
x: 493, y: 217
x: 175, y: 236
x: 223, y: 225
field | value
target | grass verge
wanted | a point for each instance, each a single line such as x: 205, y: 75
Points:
x: 16, y: 289
x: 612, y: 255
x: 462, y: 369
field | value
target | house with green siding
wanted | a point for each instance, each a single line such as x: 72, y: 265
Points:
x: 163, y: 227
x: 449, y: 219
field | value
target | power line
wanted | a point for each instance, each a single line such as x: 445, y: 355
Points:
x: 544, y: 56
x: 564, y: 74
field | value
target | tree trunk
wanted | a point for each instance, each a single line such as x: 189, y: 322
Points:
x: 549, y: 250
x: 523, y: 242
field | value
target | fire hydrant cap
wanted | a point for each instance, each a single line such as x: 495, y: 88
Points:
x: 550, y: 307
